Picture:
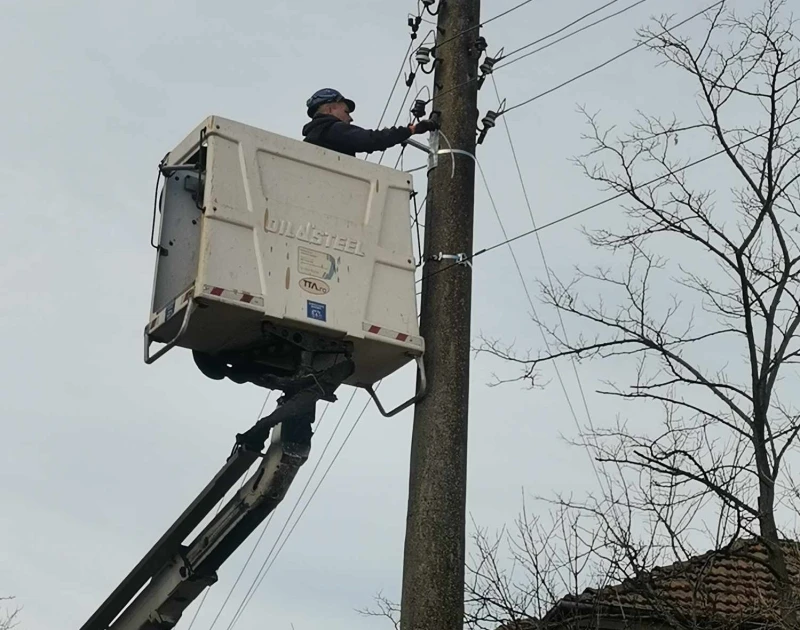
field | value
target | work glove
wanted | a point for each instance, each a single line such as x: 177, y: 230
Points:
x: 424, y: 126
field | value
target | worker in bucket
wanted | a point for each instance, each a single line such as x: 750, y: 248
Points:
x: 331, y: 126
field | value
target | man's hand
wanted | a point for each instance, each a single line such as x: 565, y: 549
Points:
x: 424, y: 126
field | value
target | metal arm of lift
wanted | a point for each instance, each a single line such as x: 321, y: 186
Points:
x: 172, y: 574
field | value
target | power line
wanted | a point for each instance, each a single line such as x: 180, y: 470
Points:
x: 241, y: 572
x: 399, y: 160
x: 396, y: 81
x: 205, y: 594
x: 305, y: 507
x: 297, y: 503
x: 551, y: 284
x: 219, y: 507
x: 400, y: 112
x: 506, y: 12
x: 546, y: 37
x: 406, y: 58
x: 609, y: 61
x: 603, y: 202
x: 568, y: 35
x: 263, y: 529
x: 484, y: 23
x: 243, y: 604
x: 416, y: 224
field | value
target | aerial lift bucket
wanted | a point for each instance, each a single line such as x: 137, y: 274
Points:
x: 276, y: 259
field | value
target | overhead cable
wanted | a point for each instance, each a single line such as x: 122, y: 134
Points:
x: 551, y: 284
x: 545, y: 38
x: 253, y: 586
x: 568, y: 35
x: 261, y: 534
x: 219, y: 508
x: 396, y: 81
x: 605, y: 201
x: 484, y: 23
x: 609, y: 61
x: 400, y: 113
x: 305, y: 507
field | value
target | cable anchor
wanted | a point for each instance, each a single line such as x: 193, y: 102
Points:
x: 481, y: 45
x: 461, y: 259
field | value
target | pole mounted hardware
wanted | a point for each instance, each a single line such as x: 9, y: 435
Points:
x: 489, y: 121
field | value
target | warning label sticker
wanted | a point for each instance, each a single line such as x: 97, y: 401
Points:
x: 316, y: 310
x: 311, y: 262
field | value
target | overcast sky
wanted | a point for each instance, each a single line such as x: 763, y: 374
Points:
x: 99, y: 452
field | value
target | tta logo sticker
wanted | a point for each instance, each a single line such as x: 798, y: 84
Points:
x: 314, y: 286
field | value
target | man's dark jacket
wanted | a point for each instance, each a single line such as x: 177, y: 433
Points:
x: 329, y: 132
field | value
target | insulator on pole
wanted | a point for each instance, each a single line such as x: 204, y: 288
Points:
x: 488, y: 65
x: 418, y: 110
x: 423, y: 55
x: 489, y: 121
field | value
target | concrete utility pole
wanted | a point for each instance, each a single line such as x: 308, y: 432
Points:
x: 433, y: 570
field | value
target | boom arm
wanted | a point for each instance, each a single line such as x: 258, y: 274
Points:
x: 177, y: 574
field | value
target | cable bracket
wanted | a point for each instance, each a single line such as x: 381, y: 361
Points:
x: 461, y: 259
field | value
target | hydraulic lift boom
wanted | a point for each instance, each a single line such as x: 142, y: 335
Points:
x: 171, y: 575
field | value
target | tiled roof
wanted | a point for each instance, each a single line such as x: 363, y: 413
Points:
x: 731, y: 586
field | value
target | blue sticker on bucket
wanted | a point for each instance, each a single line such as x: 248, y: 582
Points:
x: 316, y: 310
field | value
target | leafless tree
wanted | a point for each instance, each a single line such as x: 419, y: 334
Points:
x: 705, y: 309
x: 517, y: 576
x: 383, y: 608
x: 9, y: 617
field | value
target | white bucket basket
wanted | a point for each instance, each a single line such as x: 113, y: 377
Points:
x: 258, y: 229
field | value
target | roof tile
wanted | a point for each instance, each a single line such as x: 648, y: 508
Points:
x: 724, y: 586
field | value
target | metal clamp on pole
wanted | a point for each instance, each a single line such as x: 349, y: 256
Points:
x: 461, y: 259
x: 432, y: 150
x: 416, y: 145
x: 433, y: 153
